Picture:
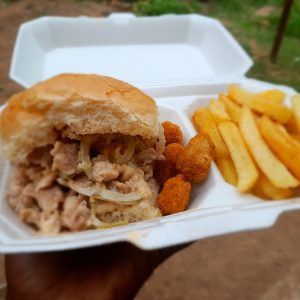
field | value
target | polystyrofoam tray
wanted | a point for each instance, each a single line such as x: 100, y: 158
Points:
x: 182, y: 62
x: 143, y: 51
x: 215, y: 207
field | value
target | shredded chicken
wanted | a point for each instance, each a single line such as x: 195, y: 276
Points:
x: 20, y: 202
x: 31, y: 216
x: 50, y: 223
x: 149, y: 154
x: 138, y: 184
x: 65, y: 158
x: 147, y: 168
x: 103, y: 170
x: 103, y: 207
x: 131, y: 180
x: 154, y: 187
x: 41, y: 156
x: 33, y: 172
x: 146, y: 158
x: 41, y: 196
x: 47, y: 199
x: 113, y: 213
x: 120, y: 187
x: 47, y: 179
x: 76, y: 215
x: 15, y: 194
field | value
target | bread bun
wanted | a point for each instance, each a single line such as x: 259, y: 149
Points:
x: 78, y: 104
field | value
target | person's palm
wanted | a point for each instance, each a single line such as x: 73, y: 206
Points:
x: 109, y: 272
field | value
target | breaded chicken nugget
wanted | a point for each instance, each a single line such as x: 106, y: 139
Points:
x: 172, y: 133
x: 172, y: 152
x: 165, y: 169
x: 174, y: 196
x: 195, y: 159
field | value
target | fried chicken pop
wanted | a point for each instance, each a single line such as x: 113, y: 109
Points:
x: 165, y: 169
x: 172, y: 133
x: 191, y: 163
x: 195, y: 159
x: 174, y: 196
x: 172, y: 152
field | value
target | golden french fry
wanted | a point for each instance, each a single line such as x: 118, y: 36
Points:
x: 227, y: 169
x: 295, y: 137
x: 218, y: 112
x: 258, y: 191
x: 246, y: 170
x: 266, y: 190
x: 205, y: 123
x: 295, y: 100
x: 274, y: 95
x: 291, y: 125
x: 269, y: 164
x: 283, y: 145
x: 233, y: 109
x: 276, y: 111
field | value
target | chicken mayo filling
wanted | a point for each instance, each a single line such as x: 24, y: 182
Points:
x: 94, y: 182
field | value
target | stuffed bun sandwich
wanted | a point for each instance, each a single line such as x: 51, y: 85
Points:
x: 82, y: 150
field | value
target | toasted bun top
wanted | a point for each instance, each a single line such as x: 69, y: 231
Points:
x: 78, y: 104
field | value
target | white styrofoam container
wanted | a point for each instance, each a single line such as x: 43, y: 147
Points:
x: 143, y: 51
x: 215, y: 207
x: 201, y: 59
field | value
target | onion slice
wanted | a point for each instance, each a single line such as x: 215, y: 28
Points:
x: 128, y: 152
x: 100, y: 192
x: 85, y: 160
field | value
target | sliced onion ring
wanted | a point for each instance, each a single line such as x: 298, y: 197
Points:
x: 100, y: 192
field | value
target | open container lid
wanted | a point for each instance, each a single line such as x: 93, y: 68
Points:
x: 144, y: 51
x: 181, y: 61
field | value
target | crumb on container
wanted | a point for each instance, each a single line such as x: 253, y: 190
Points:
x: 172, y: 132
x: 174, y: 196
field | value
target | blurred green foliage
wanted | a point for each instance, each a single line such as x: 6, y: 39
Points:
x: 256, y: 32
x: 160, y: 7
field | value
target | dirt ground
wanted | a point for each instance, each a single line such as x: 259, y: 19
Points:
x: 19, y: 11
x: 259, y: 265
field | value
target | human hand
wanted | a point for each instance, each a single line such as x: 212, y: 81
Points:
x: 109, y: 272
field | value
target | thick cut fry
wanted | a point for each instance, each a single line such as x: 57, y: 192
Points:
x: 274, y: 95
x: 246, y: 170
x: 269, y: 164
x: 296, y: 109
x: 233, y: 109
x: 265, y: 189
x: 227, y: 169
x: 286, y: 149
x: 218, y: 112
x: 258, y: 191
x: 276, y: 111
x: 295, y: 137
x: 291, y: 125
x: 205, y: 123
